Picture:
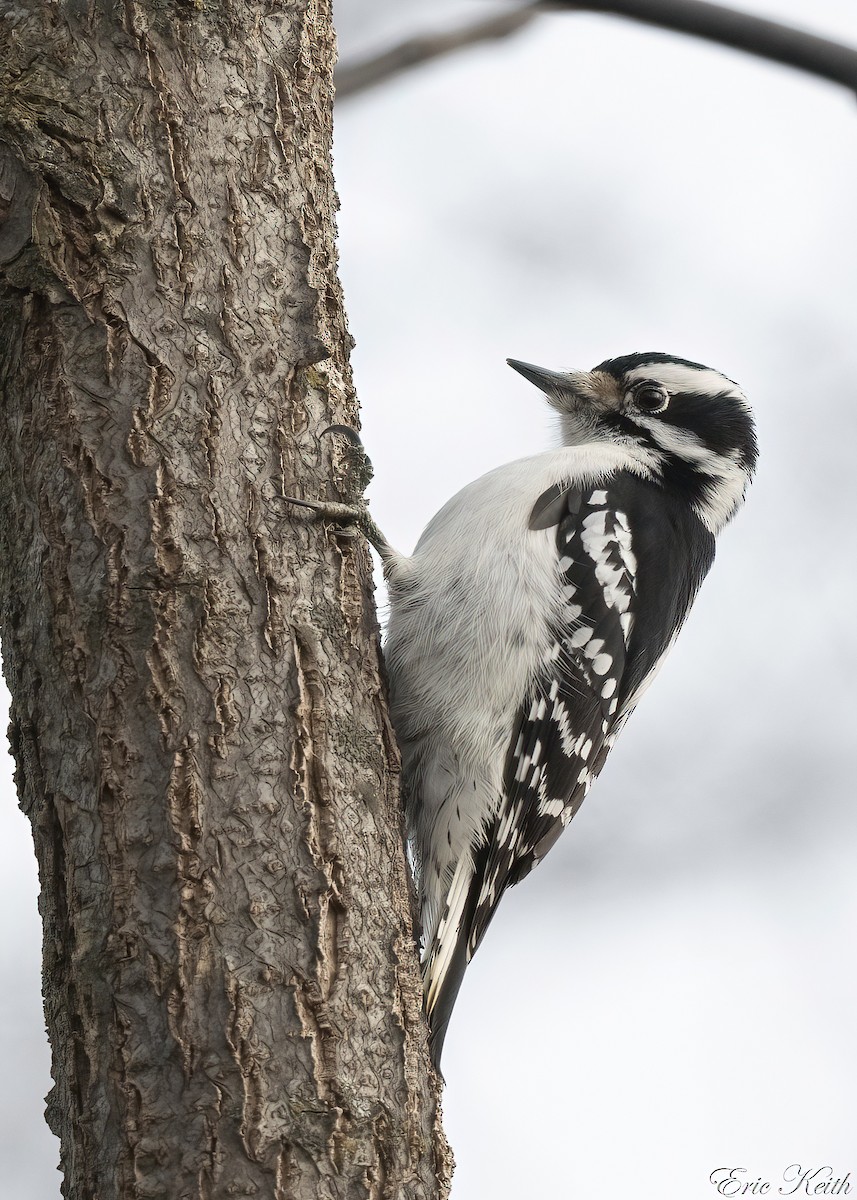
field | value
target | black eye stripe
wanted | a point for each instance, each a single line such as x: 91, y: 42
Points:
x: 713, y: 418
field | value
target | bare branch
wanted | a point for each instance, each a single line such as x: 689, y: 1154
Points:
x: 714, y: 22
x: 412, y: 53
x: 740, y: 31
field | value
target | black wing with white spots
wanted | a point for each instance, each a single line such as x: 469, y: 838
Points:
x: 631, y: 556
x: 631, y: 561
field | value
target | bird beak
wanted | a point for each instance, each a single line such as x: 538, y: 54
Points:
x: 565, y: 390
x: 547, y: 381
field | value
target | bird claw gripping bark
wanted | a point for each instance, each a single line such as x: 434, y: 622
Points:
x: 353, y: 514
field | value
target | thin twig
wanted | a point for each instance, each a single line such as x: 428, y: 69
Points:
x: 360, y: 76
x: 714, y: 22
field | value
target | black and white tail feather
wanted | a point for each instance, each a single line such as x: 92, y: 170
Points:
x: 536, y: 609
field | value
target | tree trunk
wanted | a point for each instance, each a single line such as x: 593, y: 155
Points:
x: 200, y: 731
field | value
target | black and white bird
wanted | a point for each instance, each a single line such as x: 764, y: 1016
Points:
x: 536, y: 609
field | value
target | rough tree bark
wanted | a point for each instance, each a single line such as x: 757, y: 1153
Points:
x: 198, y: 723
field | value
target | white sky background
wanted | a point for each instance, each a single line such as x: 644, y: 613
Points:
x: 674, y: 989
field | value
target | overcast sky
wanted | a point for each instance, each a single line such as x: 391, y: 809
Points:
x: 674, y: 989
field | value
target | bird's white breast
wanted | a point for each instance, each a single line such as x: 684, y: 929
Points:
x: 470, y: 623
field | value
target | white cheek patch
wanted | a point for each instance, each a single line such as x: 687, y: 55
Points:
x: 727, y: 479
x: 680, y: 442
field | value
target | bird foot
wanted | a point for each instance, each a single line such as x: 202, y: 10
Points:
x: 354, y: 515
x: 348, y: 517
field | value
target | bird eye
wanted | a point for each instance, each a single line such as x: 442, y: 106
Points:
x: 651, y: 397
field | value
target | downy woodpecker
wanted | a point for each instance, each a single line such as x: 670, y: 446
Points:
x: 536, y: 609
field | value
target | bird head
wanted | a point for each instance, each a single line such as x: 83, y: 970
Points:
x: 690, y: 425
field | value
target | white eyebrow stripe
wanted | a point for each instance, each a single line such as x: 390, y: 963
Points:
x: 678, y: 378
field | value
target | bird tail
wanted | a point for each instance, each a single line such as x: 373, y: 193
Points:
x: 450, y: 949
x: 446, y: 956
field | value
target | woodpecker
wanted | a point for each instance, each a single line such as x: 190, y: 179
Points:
x: 536, y: 609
